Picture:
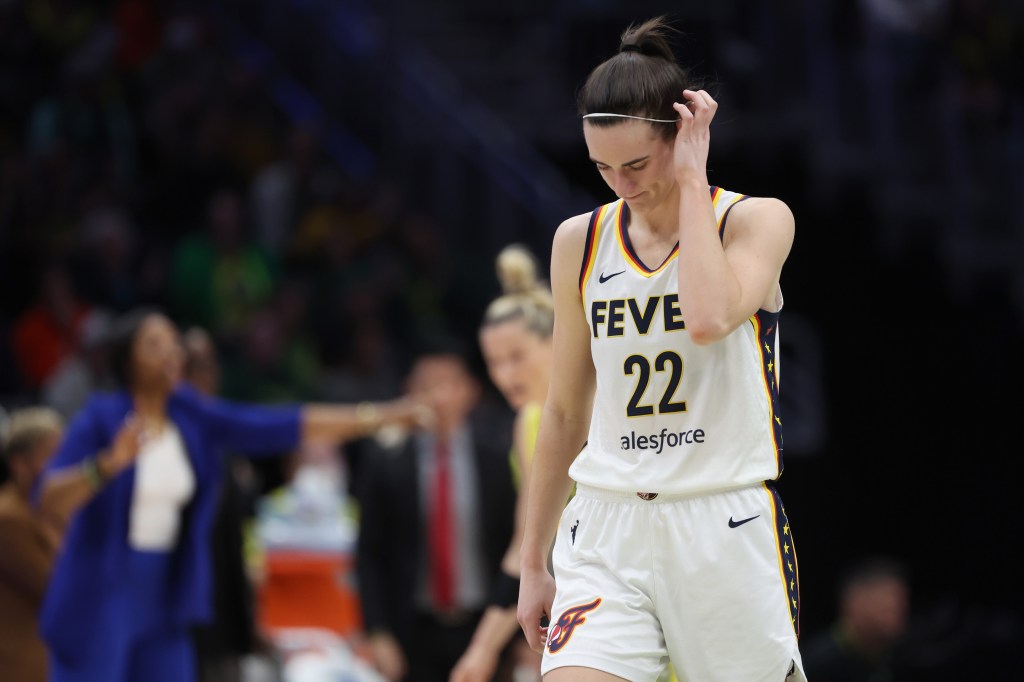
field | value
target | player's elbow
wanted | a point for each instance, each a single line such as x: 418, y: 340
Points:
x: 705, y: 331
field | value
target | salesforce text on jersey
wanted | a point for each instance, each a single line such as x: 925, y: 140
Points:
x: 658, y: 441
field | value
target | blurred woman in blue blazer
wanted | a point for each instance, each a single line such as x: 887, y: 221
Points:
x: 135, y: 485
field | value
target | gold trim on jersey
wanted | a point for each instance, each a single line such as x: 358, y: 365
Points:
x: 763, y: 369
x: 626, y: 246
x: 785, y: 547
x: 736, y: 199
x: 590, y: 247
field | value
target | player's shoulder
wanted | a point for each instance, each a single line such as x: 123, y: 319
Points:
x: 571, y: 236
x: 568, y: 248
x: 769, y: 207
x: 574, y: 228
x: 761, y: 218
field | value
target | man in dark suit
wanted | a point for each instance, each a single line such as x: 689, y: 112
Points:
x: 437, y: 516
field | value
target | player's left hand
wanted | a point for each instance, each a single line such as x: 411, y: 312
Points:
x: 693, y: 135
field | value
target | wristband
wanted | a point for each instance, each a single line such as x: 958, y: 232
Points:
x: 505, y: 592
x: 92, y: 473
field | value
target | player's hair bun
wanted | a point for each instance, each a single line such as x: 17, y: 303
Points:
x: 641, y: 80
x: 526, y: 297
x: 517, y: 270
x: 650, y: 38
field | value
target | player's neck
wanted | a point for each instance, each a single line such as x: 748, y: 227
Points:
x: 661, y: 221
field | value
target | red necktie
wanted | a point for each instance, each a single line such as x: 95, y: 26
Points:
x: 442, y: 531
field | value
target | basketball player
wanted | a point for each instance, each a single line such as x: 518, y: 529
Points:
x: 515, y: 338
x: 675, y: 545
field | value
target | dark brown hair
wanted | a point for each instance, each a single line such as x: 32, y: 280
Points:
x: 643, y: 79
x: 122, y: 344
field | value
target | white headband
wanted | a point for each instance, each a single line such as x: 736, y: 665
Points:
x: 638, y: 118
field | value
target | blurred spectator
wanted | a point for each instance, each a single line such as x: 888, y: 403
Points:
x: 89, y: 116
x: 29, y: 544
x: 428, y: 272
x: 256, y: 131
x: 986, y: 42
x: 273, y: 364
x: 282, y: 191
x: 220, y: 278
x: 189, y: 121
x: 231, y: 634
x: 202, y: 367
x: 352, y: 209
x: 106, y: 257
x: 436, y: 518
x: 139, y: 25
x: 49, y: 332
x: 136, y: 482
x: 61, y: 25
x: 873, y: 609
x: 70, y: 385
x: 291, y: 306
x: 364, y: 368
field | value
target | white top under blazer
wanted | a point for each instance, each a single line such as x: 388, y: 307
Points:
x: 671, y: 417
x: 164, y: 485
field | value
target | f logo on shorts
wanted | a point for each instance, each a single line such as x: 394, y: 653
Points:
x: 572, y: 617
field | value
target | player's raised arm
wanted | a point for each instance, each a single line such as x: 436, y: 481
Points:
x: 722, y: 283
x: 563, y: 428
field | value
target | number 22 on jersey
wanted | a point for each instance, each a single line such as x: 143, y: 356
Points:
x: 667, y: 361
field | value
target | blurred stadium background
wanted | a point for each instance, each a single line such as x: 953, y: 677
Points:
x: 321, y: 182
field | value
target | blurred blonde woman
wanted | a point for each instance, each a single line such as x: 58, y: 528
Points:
x: 27, y: 543
x: 515, y: 338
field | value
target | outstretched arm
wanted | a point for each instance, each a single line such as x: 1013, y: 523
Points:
x: 346, y: 422
x: 259, y: 429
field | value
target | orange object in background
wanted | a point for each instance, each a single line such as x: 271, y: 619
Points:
x: 309, y: 590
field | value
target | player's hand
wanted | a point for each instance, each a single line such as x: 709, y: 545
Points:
x: 693, y: 135
x: 125, y: 449
x: 478, y: 664
x: 388, y: 657
x: 536, y: 595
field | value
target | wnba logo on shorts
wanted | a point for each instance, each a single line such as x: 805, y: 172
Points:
x: 559, y: 635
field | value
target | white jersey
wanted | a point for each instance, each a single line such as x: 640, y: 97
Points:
x: 671, y: 416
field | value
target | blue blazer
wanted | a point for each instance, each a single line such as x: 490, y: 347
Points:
x: 95, y: 549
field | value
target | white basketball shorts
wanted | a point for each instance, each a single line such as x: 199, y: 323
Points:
x: 709, y: 582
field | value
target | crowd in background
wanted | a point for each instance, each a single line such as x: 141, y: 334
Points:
x: 142, y: 166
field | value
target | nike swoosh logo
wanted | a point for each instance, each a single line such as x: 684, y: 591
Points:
x: 736, y: 524
x: 602, y: 279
